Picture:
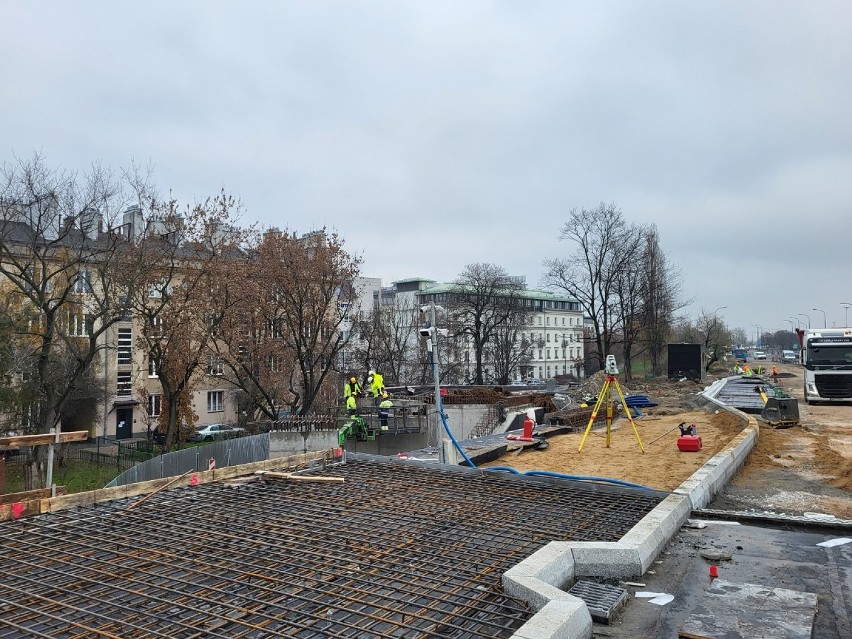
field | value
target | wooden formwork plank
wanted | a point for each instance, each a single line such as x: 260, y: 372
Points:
x: 41, y: 493
x: 42, y: 439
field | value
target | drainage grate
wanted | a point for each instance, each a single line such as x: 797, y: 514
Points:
x: 602, y: 600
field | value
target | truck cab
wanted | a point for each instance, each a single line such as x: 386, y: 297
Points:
x: 826, y: 357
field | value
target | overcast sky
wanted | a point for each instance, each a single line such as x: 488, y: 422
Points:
x: 436, y: 134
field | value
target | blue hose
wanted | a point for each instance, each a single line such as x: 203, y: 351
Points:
x: 440, y: 404
x: 533, y: 473
x: 606, y: 480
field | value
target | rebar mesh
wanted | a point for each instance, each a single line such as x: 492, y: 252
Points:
x: 395, y: 551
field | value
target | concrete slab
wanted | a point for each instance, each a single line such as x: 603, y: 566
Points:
x: 774, y: 558
x: 731, y: 610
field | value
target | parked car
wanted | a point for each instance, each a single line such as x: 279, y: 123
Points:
x: 759, y: 355
x: 9, y: 451
x: 216, y: 431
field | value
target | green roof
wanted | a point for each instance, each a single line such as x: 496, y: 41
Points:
x: 530, y: 293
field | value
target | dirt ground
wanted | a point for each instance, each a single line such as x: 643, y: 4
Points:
x: 806, y: 468
x: 662, y: 466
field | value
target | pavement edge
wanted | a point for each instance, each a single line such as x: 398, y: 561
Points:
x: 541, y: 578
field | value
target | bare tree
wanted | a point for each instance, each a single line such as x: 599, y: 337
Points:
x: 67, y: 270
x: 485, y: 298
x: 628, y: 308
x: 605, y: 244
x: 714, y: 335
x: 389, y: 340
x: 509, y: 348
x: 189, y: 255
x: 308, y: 281
x: 661, y: 287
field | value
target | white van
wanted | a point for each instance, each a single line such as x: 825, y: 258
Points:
x: 789, y: 357
x: 759, y: 355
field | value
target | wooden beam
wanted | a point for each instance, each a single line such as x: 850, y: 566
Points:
x: 42, y: 439
x: 295, y: 477
x: 41, y: 493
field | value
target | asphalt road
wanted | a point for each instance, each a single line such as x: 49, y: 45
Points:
x: 786, y: 558
x: 804, y: 469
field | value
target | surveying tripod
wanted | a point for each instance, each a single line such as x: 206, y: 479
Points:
x: 606, y: 395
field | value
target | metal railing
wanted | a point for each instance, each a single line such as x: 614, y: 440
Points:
x: 229, y: 452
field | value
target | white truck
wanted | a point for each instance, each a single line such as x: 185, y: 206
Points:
x: 826, y: 358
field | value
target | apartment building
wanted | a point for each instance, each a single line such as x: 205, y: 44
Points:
x: 554, y: 333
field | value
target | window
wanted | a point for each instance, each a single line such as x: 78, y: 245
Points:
x: 214, y: 323
x: 216, y: 367
x: 215, y: 401
x: 124, y: 383
x: 548, y: 321
x: 124, y: 305
x: 152, y: 366
x: 548, y: 353
x: 276, y: 364
x: 156, y: 325
x: 83, y: 282
x: 155, y: 405
x: 275, y: 328
x: 156, y: 290
x: 79, y: 325
x: 125, y: 345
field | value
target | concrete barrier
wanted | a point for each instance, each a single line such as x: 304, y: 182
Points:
x: 541, y: 578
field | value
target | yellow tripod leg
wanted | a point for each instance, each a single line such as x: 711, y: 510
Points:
x: 629, y: 414
x: 609, y: 407
x: 594, y: 415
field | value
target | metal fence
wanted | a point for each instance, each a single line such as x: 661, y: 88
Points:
x: 229, y: 452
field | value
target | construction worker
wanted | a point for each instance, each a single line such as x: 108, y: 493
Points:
x: 775, y: 374
x: 352, y: 389
x: 384, y: 410
x: 351, y: 406
x: 377, y: 386
x: 747, y: 370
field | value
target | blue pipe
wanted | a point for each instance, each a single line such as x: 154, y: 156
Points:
x: 533, y: 473
x: 606, y: 480
x: 440, y: 404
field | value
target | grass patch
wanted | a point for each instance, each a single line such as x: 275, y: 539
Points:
x: 76, y: 476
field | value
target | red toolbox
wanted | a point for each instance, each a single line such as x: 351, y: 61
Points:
x: 689, y: 443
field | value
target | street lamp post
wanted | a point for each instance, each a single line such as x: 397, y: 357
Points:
x: 808, y: 316
x: 797, y: 321
x: 824, y: 320
x: 792, y: 328
x: 846, y: 306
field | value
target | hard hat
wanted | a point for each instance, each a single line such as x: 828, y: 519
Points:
x: 384, y: 395
x: 352, y: 379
